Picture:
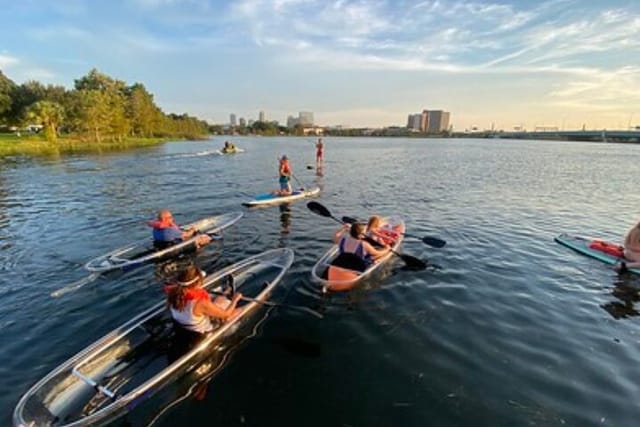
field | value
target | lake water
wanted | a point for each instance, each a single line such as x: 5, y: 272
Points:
x: 511, y: 330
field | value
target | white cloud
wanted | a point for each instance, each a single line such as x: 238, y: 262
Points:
x: 7, y: 61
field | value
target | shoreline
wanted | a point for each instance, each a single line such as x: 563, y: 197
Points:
x: 36, y: 145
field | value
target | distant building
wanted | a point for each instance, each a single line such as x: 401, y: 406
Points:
x: 261, y: 117
x: 243, y: 122
x: 232, y: 119
x: 413, y: 122
x: 429, y: 121
x: 292, y: 122
x: 438, y: 121
x: 305, y: 118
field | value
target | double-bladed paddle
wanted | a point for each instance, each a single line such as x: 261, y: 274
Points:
x: 411, y: 261
x: 429, y: 240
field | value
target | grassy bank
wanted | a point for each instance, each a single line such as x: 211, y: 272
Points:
x: 36, y: 145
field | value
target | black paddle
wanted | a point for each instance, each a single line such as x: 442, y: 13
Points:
x: 429, y: 240
x: 411, y: 261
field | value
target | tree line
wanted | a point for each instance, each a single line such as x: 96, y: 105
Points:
x: 99, y: 108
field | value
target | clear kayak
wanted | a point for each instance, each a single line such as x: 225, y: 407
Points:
x: 607, y: 252
x: 272, y: 199
x: 136, y: 254
x: 347, y: 278
x: 125, y: 367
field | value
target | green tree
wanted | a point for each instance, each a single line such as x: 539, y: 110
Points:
x: 7, y: 86
x: 49, y: 115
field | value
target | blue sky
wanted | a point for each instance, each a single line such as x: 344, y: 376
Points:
x: 560, y: 63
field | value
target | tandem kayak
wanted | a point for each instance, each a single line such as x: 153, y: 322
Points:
x: 136, y: 254
x: 131, y: 363
x: 350, y: 278
x: 610, y: 253
x: 272, y: 199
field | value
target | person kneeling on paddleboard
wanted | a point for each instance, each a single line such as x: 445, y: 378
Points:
x: 284, y: 172
x: 354, y: 252
x: 631, y: 250
x: 167, y: 233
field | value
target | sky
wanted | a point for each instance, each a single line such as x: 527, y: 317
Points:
x: 364, y: 63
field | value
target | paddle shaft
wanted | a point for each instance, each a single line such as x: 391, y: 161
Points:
x: 276, y: 304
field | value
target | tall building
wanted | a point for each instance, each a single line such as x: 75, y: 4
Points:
x: 305, y: 118
x: 291, y: 121
x: 243, y: 122
x: 261, y: 117
x: 429, y: 121
x: 438, y: 121
x: 413, y: 122
x: 232, y: 119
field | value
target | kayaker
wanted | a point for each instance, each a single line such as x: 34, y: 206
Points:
x: 319, y: 153
x: 167, y: 233
x: 284, y: 172
x: 191, y: 306
x: 377, y: 231
x: 631, y: 250
x: 355, y: 253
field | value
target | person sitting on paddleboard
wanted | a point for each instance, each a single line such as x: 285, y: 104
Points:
x: 191, y: 306
x: 167, y: 233
x: 631, y: 249
x: 354, y: 252
x: 284, y: 171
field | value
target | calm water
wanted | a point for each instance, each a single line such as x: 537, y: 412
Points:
x: 512, y: 330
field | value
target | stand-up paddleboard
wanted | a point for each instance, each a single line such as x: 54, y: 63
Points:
x: 610, y: 253
x: 272, y: 199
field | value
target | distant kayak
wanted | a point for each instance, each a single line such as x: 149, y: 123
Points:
x: 342, y: 279
x: 231, y: 150
x: 136, y: 254
x: 272, y: 199
x: 609, y: 253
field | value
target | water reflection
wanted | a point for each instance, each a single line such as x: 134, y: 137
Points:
x: 627, y: 292
x: 285, y: 219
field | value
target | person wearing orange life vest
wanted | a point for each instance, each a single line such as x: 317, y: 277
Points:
x: 631, y: 250
x: 285, y: 173
x: 191, y: 306
x: 166, y: 232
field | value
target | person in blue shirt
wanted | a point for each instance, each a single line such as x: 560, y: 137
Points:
x: 166, y: 232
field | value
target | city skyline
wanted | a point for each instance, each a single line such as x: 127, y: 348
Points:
x: 557, y: 63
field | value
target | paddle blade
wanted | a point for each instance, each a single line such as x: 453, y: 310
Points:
x: 412, y: 262
x: 319, y: 209
x: 434, y: 241
x: 349, y: 220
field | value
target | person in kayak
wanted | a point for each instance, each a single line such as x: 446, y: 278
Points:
x: 191, y: 306
x: 284, y: 172
x: 354, y: 252
x: 319, y: 153
x: 631, y: 250
x: 379, y: 232
x: 167, y: 233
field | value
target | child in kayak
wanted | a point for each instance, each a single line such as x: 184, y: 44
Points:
x: 631, y: 250
x: 167, y: 233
